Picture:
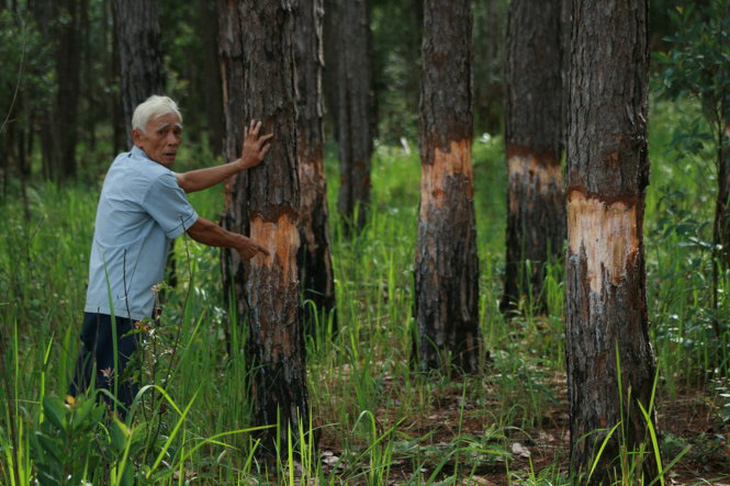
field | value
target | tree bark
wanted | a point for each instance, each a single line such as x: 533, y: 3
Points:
x: 535, y: 198
x: 446, y: 267
x: 355, y: 123
x: 235, y: 212
x: 607, y: 176
x: 314, y: 260
x: 257, y: 65
x: 138, y: 41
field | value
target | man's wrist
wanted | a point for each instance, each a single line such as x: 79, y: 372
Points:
x: 243, y: 164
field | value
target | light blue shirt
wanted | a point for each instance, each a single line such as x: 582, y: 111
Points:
x: 141, y: 210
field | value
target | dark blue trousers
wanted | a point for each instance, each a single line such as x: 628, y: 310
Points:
x: 97, y: 356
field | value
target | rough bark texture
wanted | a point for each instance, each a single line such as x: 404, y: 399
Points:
x: 446, y: 269
x: 257, y: 62
x: 315, y: 263
x: 535, y: 198
x: 138, y: 42
x: 235, y: 212
x: 355, y: 123
x: 607, y: 175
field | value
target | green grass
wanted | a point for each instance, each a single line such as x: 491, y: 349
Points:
x: 378, y: 421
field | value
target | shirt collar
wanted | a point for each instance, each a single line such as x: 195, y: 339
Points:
x: 138, y: 152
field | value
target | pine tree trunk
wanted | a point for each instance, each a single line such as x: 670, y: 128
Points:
x: 608, y: 172
x: 258, y: 68
x: 446, y: 267
x: 315, y: 263
x: 355, y: 122
x: 535, y: 200
x: 138, y: 41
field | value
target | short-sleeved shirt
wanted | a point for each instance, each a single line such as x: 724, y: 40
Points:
x: 141, y: 210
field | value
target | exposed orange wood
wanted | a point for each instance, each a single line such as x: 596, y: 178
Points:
x: 281, y: 238
x: 452, y: 163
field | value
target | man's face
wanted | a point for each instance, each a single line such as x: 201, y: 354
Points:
x: 160, y: 139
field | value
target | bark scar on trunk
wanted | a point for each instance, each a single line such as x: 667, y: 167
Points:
x: 541, y: 177
x: 452, y: 163
x: 281, y: 238
x: 608, y: 235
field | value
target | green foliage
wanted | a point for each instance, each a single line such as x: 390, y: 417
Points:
x: 68, y: 447
x: 698, y: 63
x: 26, y: 72
x: 396, y: 28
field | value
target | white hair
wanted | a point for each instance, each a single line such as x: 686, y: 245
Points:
x: 153, y: 108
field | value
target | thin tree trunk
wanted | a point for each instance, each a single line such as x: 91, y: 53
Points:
x: 721, y: 224
x: 315, y: 263
x: 113, y: 72
x: 258, y: 66
x: 212, y: 80
x: 608, y: 172
x: 43, y: 14
x: 535, y: 199
x: 446, y: 268
x: 68, y: 68
x: 489, y: 91
x: 331, y: 50
x: 722, y: 218
x: 355, y: 122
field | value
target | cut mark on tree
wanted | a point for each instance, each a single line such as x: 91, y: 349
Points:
x: 607, y: 233
x: 531, y: 176
x: 281, y: 238
x: 456, y: 162
x: 541, y: 173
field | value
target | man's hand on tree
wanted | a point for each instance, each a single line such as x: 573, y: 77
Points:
x: 248, y: 248
x: 255, y: 147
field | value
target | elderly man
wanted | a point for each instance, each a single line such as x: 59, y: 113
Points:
x: 142, y: 208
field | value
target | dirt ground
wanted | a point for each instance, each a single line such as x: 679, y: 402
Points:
x: 690, y: 419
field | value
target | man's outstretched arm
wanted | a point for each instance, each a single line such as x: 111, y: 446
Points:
x: 209, y: 233
x: 253, y: 152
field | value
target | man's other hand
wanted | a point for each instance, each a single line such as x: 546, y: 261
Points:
x: 255, y: 146
x: 248, y: 248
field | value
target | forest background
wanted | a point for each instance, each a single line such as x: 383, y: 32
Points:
x: 378, y: 421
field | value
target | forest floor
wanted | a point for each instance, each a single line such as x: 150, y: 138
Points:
x: 689, y: 420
